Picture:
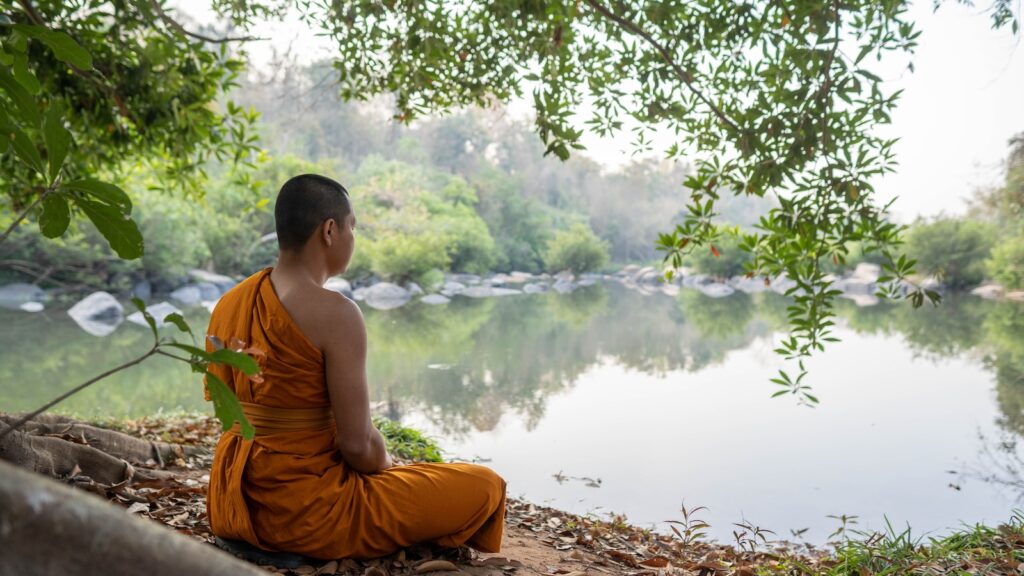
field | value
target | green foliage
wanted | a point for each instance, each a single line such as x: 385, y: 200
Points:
x: 407, y: 443
x: 577, y: 249
x: 723, y: 258
x: 400, y: 256
x: 1006, y: 265
x: 954, y: 250
x: 85, y: 97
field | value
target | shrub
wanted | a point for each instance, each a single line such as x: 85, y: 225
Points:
x: 401, y: 256
x: 577, y: 249
x: 1006, y: 265
x: 951, y: 249
x: 728, y: 262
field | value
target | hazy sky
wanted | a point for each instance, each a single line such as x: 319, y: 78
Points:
x: 959, y: 108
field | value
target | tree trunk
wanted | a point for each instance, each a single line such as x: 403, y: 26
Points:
x: 49, y: 528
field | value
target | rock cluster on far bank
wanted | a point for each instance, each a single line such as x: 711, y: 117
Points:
x: 100, y: 313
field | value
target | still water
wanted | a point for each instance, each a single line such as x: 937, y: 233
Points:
x: 608, y: 400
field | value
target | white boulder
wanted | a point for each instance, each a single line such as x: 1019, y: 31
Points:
x: 98, y: 313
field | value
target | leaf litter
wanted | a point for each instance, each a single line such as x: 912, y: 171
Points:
x: 539, y: 540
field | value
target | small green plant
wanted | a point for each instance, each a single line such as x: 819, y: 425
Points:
x: 407, y: 443
x: 690, y: 529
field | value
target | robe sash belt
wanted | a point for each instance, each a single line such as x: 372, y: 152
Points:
x: 274, y: 419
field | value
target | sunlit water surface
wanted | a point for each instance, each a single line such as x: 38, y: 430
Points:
x: 607, y: 400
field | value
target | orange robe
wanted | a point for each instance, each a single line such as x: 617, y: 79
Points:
x: 292, y: 491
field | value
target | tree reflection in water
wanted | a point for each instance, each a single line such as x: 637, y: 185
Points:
x: 466, y: 364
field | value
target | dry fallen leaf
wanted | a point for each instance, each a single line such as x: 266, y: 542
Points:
x: 435, y: 566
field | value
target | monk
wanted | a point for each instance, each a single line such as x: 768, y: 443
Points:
x: 317, y: 479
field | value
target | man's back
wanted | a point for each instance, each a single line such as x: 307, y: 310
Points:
x: 291, y: 488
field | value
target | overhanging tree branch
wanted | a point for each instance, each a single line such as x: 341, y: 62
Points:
x: 683, y: 75
x: 177, y: 26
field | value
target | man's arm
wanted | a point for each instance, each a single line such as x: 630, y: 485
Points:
x: 344, y: 347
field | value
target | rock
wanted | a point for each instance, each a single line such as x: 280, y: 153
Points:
x: 13, y: 296
x: 435, y: 299
x: 452, y: 288
x: 716, y: 290
x: 157, y: 311
x: 32, y: 307
x: 855, y: 285
x: 189, y: 295
x: 747, y: 285
x: 535, y: 288
x: 861, y: 300
x: 224, y: 283
x: 463, y: 278
x: 489, y: 291
x: 586, y: 282
x: 629, y: 270
x: 498, y: 280
x: 867, y: 271
x: 670, y: 289
x: 98, y: 313
x: 209, y: 290
x: 931, y: 283
x: 781, y: 284
x: 360, y: 293
x: 565, y: 275
x: 478, y: 292
x: 515, y: 277
x: 142, y: 290
x: 988, y: 291
x: 414, y: 288
x: 697, y: 280
x: 563, y: 286
x: 210, y: 305
x: 386, y: 296
x: 1016, y: 296
x: 339, y: 285
x: 648, y: 275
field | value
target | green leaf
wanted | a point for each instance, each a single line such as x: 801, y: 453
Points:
x: 23, y: 75
x: 238, y: 360
x: 27, y: 151
x: 57, y: 138
x: 147, y: 316
x: 179, y: 321
x: 64, y: 47
x: 118, y: 228
x: 203, y: 355
x: 226, y: 406
x: 55, y: 217
x: 24, y: 103
x: 106, y: 192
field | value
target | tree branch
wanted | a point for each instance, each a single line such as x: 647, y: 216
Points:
x: 24, y: 213
x: 683, y: 75
x: 28, y: 417
x: 37, y: 19
x: 168, y: 20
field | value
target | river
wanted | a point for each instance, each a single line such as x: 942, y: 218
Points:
x: 607, y: 400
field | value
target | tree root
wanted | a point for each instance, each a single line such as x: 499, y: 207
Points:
x: 61, y: 447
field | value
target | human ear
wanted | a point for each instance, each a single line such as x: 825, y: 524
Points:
x: 329, y: 226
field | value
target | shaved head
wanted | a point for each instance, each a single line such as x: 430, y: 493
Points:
x: 304, y: 203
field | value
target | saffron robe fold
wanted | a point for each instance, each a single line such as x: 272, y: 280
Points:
x: 292, y: 491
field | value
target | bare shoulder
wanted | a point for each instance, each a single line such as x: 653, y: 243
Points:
x: 331, y: 319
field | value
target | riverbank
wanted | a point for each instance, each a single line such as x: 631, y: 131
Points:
x: 100, y: 313
x: 549, y: 542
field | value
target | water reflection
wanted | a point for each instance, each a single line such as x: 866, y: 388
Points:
x: 473, y: 366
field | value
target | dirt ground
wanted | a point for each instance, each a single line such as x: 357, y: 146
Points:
x: 538, y: 540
